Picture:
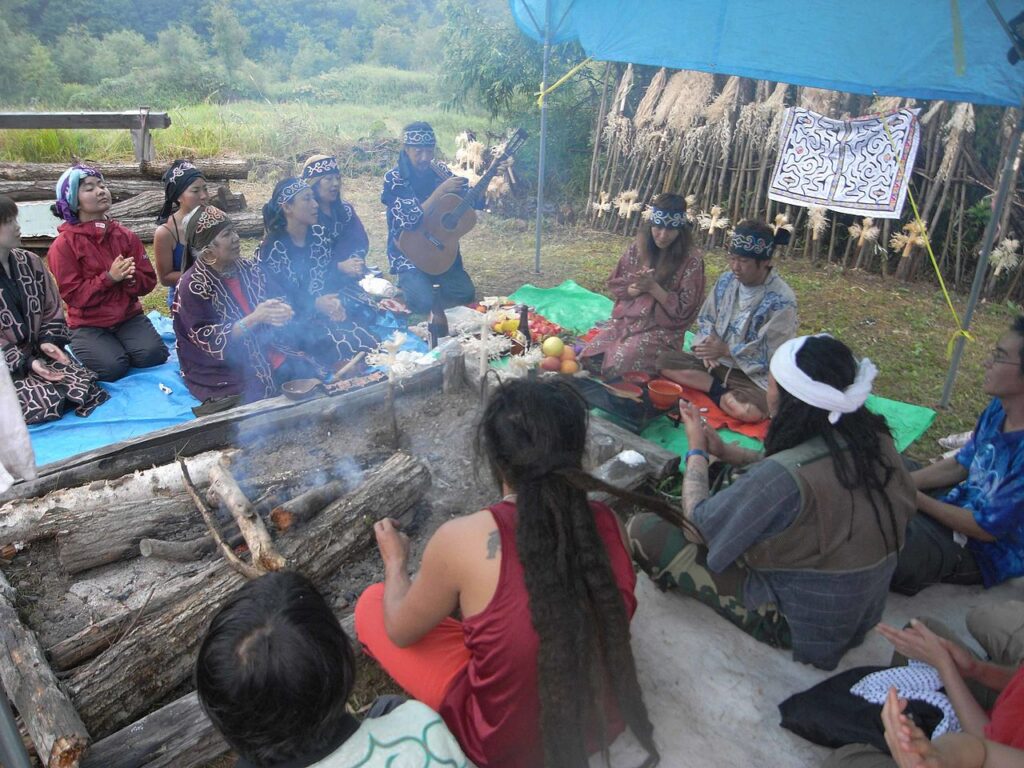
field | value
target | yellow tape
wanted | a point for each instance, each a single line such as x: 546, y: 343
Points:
x: 959, y: 61
x: 960, y: 331
x: 561, y: 81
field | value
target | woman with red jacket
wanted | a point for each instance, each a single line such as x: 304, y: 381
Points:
x: 101, y: 271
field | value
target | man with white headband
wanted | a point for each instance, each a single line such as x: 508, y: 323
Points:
x: 974, y: 532
x: 798, y: 551
x: 744, y: 319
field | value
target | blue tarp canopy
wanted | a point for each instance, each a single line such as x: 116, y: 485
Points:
x: 923, y: 49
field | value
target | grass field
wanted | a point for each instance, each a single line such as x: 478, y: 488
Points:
x: 904, y: 329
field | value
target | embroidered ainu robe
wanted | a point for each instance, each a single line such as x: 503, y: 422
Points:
x: 30, y: 315
x: 306, y: 273
x: 217, y: 363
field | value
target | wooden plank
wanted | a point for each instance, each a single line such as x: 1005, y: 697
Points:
x: 207, y: 433
x: 132, y: 119
x: 178, y: 735
x: 247, y: 224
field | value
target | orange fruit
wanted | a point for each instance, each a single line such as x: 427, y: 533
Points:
x: 568, y: 353
x: 569, y: 366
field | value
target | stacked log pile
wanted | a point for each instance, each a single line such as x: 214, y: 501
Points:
x: 137, y: 192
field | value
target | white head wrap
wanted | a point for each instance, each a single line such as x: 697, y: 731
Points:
x: 801, y: 386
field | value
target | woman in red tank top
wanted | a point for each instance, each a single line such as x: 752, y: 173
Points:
x: 539, y: 670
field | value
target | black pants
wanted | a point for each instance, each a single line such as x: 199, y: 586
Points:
x: 930, y: 556
x: 456, y: 288
x: 110, y: 352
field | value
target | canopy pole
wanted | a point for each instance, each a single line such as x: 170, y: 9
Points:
x: 1005, y: 174
x: 543, y: 134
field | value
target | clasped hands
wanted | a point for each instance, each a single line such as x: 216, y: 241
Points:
x: 643, y: 283
x: 123, y: 268
x: 710, y: 350
x: 331, y: 306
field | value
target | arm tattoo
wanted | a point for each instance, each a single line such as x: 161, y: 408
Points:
x: 695, y: 486
x: 493, y: 544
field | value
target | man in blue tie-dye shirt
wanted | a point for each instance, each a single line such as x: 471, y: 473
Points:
x: 974, y: 533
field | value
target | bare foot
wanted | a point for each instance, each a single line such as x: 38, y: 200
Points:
x: 741, y: 411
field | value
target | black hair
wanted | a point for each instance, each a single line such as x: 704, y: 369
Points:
x: 533, y: 434
x: 665, y: 263
x: 1017, y: 326
x: 8, y: 210
x: 273, y: 214
x: 275, y: 670
x: 854, y: 442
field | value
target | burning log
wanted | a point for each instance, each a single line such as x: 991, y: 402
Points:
x: 57, y: 732
x: 212, y: 168
x: 178, y: 735
x: 128, y: 678
x: 306, y: 505
x: 224, y: 486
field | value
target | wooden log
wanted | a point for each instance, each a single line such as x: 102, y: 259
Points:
x: 204, y: 434
x: 213, y: 168
x: 23, y: 521
x: 179, y: 551
x: 138, y: 118
x: 178, y: 735
x: 57, y: 732
x: 247, y: 224
x: 120, y: 189
x: 124, y: 681
x: 306, y: 505
x: 224, y: 486
x: 148, y: 204
x: 662, y: 462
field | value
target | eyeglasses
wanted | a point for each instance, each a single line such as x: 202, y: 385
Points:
x: 999, y: 357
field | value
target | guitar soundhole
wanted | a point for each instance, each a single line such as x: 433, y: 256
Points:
x: 449, y: 221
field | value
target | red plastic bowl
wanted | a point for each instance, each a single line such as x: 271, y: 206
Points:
x: 664, y: 393
x: 636, y: 377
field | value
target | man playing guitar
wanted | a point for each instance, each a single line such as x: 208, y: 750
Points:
x: 406, y: 188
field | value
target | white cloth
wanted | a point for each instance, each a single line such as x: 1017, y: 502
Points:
x: 792, y: 378
x: 849, y: 165
x: 918, y: 681
x: 17, y: 459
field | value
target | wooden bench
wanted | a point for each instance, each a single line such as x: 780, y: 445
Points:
x: 138, y: 122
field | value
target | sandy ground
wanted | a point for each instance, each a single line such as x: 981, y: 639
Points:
x: 713, y: 691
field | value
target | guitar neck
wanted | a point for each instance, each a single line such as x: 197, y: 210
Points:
x: 470, y: 198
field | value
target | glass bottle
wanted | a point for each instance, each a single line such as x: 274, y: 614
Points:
x: 437, y: 321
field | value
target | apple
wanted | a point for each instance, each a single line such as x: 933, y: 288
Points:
x: 551, y: 363
x: 552, y: 346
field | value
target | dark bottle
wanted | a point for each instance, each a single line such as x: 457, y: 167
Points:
x: 437, y: 322
x: 524, y: 326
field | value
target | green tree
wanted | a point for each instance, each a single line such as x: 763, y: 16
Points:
x: 311, y: 59
x: 41, y: 82
x: 229, y: 37
x: 74, y: 54
x: 391, y: 47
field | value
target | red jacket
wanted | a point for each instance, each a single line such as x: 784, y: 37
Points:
x: 79, y: 259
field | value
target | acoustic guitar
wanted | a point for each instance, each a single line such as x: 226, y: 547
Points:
x: 447, y: 216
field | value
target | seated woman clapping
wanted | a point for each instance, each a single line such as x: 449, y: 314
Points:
x: 234, y: 339
x: 539, y: 670
x: 799, y: 549
x: 33, y: 333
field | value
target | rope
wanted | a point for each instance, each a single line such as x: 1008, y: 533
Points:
x: 561, y: 81
x: 960, y: 330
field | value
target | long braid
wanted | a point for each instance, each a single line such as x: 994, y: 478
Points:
x: 534, y: 434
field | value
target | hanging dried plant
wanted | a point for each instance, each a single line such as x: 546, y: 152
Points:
x: 781, y: 222
x: 713, y: 222
x: 644, y: 115
x: 817, y: 221
x: 603, y: 204
x: 933, y: 110
x: 626, y: 203
x: 911, y: 237
x: 696, y: 93
x: 818, y: 100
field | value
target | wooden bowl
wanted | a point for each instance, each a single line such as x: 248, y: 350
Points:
x: 636, y: 377
x: 664, y: 394
x: 626, y: 389
x: 301, y: 389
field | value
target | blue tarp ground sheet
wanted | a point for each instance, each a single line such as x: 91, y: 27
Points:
x: 136, y: 406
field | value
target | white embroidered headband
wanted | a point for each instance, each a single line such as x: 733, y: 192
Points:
x: 659, y: 217
x: 792, y: 378
x: 419, y: 137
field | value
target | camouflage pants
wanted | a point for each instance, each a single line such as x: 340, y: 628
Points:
x: 670, y: 560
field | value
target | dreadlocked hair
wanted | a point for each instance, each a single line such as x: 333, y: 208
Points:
x: 854, y: 442
x: 665, y: 262
x: 533, y: 434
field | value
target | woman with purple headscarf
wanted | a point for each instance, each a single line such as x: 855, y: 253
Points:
x: 101, y: 270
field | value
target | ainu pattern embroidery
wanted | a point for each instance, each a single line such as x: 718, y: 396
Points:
x: 419, y: 138
x: 850, y: 166
x: 181, y: 169
x: 320, y: 168
x: 744, y: 244
x: 288, y: 194
x: 659, y: 217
